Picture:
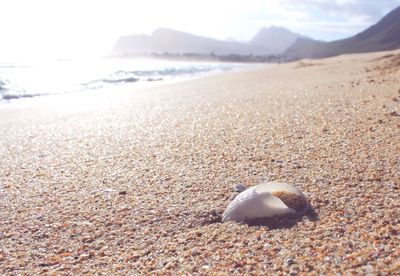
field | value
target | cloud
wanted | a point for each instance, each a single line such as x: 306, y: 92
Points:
x: 92, y: 26
x: 369, y: 10
x: 325, y: 19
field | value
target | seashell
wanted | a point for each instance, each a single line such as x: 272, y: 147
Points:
x: 266, y: 200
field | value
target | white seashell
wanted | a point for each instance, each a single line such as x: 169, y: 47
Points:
x: 266, y: 200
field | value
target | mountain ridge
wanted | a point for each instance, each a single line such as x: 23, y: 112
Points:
x: 382, y: 36
x: 165, y: 40
x: 277, y: 38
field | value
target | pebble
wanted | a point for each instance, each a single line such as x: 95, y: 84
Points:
x: 239, y: 188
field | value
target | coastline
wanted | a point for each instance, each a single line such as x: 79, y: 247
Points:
x: 136, y: 183
x: 76, y: 76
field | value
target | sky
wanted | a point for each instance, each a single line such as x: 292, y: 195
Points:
x: 89, y: 28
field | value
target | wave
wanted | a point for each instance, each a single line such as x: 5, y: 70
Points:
x: 9, y: 93
x: 20, y: 96
x: 101, y: 83
x: 116, y: 80
x: 120, y: 80
x: 13, y: 66
x: 39, y: 81
x: 189, y: 70
x: 120, y: 77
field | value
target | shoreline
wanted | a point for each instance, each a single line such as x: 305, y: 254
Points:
x: 136, y: 183
x: 99, y: 96
x: 129, y: 80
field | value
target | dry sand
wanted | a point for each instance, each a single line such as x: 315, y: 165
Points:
x: 136, y: 183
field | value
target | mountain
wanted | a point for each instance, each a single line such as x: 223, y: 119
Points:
x: 277, y: 39
x: 171, y: 41
x: 268, y: 41
x: 383, y: 36
x: 306, y: 48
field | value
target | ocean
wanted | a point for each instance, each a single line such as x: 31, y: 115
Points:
x: 20, y: 80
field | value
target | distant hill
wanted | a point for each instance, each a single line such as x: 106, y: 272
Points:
x: 385, y: 35
x: 268, y: 41
x: 171, y: 41
x: 277, y: 39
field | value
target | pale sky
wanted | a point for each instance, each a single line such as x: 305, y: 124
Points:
x: 71, y: 28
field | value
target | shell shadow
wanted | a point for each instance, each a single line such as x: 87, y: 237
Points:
x: 277, y: 222
x: 209, y: 217
x: 284, y: 222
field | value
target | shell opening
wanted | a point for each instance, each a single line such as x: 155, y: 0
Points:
x: 293, y: 201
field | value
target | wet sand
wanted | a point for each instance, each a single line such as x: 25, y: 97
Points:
x: 136, y: 183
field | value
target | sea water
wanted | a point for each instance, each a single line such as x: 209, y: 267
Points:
x: 32, y: 79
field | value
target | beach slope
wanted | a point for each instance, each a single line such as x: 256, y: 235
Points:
x: 136, y: 182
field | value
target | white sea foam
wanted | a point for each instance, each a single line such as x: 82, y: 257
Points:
x: 59, y: 77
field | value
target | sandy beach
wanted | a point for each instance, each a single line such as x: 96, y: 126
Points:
x: 136, y: 183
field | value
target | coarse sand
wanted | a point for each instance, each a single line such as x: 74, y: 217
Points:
x: 135, y: 182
